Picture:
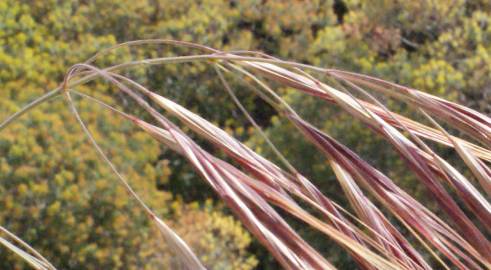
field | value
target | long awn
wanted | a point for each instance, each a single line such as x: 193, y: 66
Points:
x: 256, y: 186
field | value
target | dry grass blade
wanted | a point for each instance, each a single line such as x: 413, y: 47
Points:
x: 428, y: 166
x: 28, y: 107
x: 434, y: 230
x: 221, y: 138
x: 262, y: 220
x: 253, y: 196
x: 370, y: 214
x: 480, y: 170
x: 388, y: 236
x: 474, y: 123
x: 416, y: 159
x: 276, y: 234
x: 28, y: 254
x: 377, y: 220
x: 471, y: 196
x: 31, y: 260
x: 259, y: 189
x: 185, y: 254
x: 236, y: 180
x: 314, y: 88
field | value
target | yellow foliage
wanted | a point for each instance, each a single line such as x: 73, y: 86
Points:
x: 219, y: 240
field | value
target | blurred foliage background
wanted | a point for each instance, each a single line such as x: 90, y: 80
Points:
x: 58, y: 196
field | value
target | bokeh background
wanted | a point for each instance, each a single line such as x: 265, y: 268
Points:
x: 57, y: 195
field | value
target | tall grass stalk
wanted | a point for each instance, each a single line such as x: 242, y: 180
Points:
x: 254, y: 187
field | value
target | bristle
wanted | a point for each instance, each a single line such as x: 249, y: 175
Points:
x: 254, y: 187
